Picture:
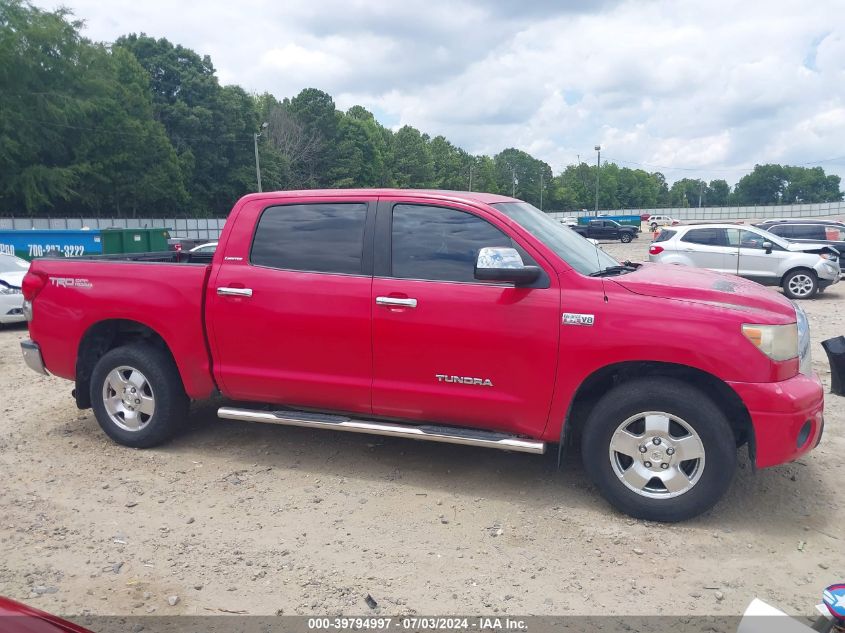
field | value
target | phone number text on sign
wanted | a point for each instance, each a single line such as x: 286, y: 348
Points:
x: 68, y: 250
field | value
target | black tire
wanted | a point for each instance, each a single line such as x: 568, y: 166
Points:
x: 678, y: 399
x: 625, y: 238
x: 804, y: 274
x: 162, y: 383
x: 654, y: 226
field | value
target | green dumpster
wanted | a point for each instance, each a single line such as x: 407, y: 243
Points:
x: 116, y: 241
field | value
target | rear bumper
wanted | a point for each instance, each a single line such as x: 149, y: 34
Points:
x: 788, y: 417
x: 32, y: 356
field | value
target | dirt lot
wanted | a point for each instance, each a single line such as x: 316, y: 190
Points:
x: 261, y: 519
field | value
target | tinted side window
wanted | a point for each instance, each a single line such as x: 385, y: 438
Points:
x: 808, y: 232
x: 708, y: 237
x: 325, y: 238
x: 665, y: 234
x: 441, y: 244
x: 784, y: 230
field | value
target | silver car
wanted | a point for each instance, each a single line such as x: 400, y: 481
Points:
x: 801, y: 270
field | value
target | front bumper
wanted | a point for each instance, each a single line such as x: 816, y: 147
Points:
x: 32, y: 356
x: 828, y: 273
x: 787, y: 416
x: 11, y: 308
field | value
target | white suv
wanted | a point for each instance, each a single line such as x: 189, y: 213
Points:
x: 655, y: 221
x: 801, y: 270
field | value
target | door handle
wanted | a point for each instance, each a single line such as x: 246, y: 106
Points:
x: 396, y: 301
x: 234, y: 292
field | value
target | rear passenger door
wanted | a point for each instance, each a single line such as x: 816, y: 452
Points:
x: 708, y: 248
x: 446, y: 347
x: 289, y: 311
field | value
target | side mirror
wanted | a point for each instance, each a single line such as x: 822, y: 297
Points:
x: 768, y: 246
x: 504, y: 264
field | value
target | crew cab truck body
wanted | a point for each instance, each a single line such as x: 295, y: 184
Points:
x: 606, y: 230
x: 455, y: 317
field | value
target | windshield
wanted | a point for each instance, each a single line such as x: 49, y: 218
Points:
x: 566, y: 243
x: 12, y: 264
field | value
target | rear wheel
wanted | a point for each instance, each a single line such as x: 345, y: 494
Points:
x: 137, y: 395
x: 625, y: 237
x: 659, y: 449
x: 654, y: 226
x: 800, y: 283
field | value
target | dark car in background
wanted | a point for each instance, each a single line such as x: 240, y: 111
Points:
x: 606, y: 230
x: 800, y: 230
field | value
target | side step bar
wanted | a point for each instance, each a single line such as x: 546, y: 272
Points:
x: 432, y: 433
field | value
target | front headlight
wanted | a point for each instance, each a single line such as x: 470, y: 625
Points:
x: 829, y: 256
x: 778, y: 342
x: 9, y: 290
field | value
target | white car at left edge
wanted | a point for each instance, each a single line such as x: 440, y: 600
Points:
x: 12, y: 271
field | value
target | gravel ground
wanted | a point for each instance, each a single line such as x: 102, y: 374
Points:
x: 236, y: 517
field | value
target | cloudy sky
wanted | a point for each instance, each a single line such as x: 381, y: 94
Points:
x: 693, y: 88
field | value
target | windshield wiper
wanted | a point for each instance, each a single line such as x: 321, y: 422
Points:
x: 626, y: 267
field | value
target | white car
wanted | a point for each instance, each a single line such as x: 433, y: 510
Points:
x: 12, y: 271
x: 655, y: 221
x: 801, y: 270
x: 569, y: 221
x: 208, y: 247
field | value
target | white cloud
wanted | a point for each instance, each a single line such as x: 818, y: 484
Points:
x: 712, y: 86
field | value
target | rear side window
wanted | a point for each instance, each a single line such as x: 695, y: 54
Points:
x: 325, y: 238
x: 808, y: 232
x: 439, y: 244
x: 707, y: 237
x: 784, y: 230
x: 665, y: 234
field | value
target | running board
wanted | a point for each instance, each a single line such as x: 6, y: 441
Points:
x: 432, y: 433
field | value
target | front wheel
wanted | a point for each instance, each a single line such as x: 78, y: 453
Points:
x: 654, y: 226
x: 137, y: 395
x: 800, y: 284
x: 625, y: 238
x: 659, y: 449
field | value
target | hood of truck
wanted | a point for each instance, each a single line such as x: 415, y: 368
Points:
x: 671, y: 281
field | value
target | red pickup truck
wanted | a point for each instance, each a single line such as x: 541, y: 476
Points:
x: 469, y: 318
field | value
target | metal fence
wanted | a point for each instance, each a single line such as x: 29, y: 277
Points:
x: 210, y: 228
x: 188, y: 228
x: 817, y: 210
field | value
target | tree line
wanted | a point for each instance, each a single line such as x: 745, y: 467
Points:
x: 142, y: 127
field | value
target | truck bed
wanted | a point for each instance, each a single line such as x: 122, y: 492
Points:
x: 164, y: 292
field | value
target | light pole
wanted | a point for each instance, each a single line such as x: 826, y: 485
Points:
x: 541, y: 190
x: 598, y: 168
x: 257, y: 166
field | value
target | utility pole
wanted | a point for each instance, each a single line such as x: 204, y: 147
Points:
x: 513, y: 181
x: 257, y: 166
x: 700, y: 191
x: 598, y: 168
x: 541, y: 190
x: 470, y: 176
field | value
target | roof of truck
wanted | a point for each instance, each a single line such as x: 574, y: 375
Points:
x: 469, y: 196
